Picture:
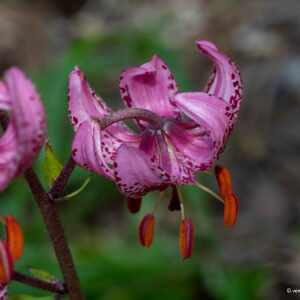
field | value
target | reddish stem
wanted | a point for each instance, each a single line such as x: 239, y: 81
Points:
x: 56, y: 233
x: 53, y: 287
x: 131, y: 113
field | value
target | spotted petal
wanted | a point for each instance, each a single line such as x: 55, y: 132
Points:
x: 149, y: 86
x: 136, y: 174
x: 157, y: 145
x: 193, y: 143
x: 5, y: 103
x: 93, y: 148
x: 225, y: 82
x: 9, y: 159
x: 28, y: 117
x: 84, y: 104
x: 209, y: 113
x: 26, y: 129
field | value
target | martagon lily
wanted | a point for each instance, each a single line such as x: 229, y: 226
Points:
x: 179, y: 135
x: 26, y: 128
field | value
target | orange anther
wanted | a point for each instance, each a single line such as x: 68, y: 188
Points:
x: 146, y: 230
x: 134, y: 205
x: 15, y: 238
x: 224, y: 181
x: 186, y: 238
x: 231, y: 208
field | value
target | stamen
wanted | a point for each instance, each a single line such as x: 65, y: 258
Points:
x: 231, y: 209
x: 157, y: 201
x: 181, y: 203
x: 146, y: 230
x: 209, y: 191
x: 231, y: 201
x: 224, y: 180
x: 134, y: 205
x: 15, y: 238
x: 174, y: 203
x: 186, y: 238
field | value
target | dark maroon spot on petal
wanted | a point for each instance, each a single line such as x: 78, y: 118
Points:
x: 123, y: 90
x: 74, y: 151
x: 75, y: 120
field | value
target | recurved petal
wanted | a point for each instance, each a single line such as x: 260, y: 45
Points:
x: 5, y: 103
x: 90, y: 151
x: 27, y: 117
x: 9, y: 158
x: 84, y: 104
x: 208, y: 112
x: 149, y: 86
x: 135, y: 174
x: 225, y: 81
x: 195, y: 145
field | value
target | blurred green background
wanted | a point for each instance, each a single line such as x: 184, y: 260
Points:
x: 259, y: 259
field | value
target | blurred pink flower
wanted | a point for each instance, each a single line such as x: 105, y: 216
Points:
x: 195, y: 125
x: 25, y: 132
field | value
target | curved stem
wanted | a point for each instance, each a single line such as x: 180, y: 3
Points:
x: 62, y: 180
x: 56, y: 233
x: 130, y: 113
x: 55, y: 287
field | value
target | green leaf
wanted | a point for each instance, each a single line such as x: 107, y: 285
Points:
x: 52, y: 166
x: 43, y: 275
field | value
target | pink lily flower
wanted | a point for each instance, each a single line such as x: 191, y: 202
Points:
x: 26, y: 129
x: 195, y: 125
x: 192, y: 130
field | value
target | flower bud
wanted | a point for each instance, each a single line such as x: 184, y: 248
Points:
x: 186, y: 238
x: 146, y: 230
